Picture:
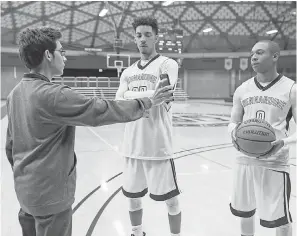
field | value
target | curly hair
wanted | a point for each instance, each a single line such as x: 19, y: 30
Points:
x: 149, y: 21
x: 34, y: 41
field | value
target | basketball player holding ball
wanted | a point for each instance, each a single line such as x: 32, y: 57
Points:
x: 262, y: 183
x: 147, y: 145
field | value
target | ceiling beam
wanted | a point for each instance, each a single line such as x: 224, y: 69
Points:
x: 161, y: 9
x: 273, y: 20
x: 70, y: 26
x: 241, y: 20
x: 46, y: 18
x: 42, y: 12
x: 11, y: 8
x: 96, y: 26
x: 124, y: 17
x: 209, y: 20
x: 13, y: 22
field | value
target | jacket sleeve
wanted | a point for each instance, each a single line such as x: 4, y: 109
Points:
x: 72, y: 108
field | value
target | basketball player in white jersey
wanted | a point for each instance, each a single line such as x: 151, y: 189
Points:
x: 262, y: 184
x: 147, y: 145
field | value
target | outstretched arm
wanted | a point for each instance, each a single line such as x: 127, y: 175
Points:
x: 169, y: 67
x: 123, y: 92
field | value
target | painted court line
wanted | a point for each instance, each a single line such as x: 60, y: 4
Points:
x: 103, y: 140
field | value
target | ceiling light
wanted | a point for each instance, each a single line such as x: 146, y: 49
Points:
x: 103, y: 12
x: 207, y: 30
x: 272, y: 31
x: 167, y: 3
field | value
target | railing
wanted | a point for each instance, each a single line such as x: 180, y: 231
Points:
x: 104, y: 87
x: 87, y: 81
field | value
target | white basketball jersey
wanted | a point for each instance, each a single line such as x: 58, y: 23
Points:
x: 271, y: 103
x: 150, y: 138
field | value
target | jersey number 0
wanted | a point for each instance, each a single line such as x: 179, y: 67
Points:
x: 260, y: 114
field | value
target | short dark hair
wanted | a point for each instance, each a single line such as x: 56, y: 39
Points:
x: 273, y: 46
x: 145, y: 20
x: 34, y: 41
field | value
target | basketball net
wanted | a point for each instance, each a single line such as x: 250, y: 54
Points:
x: 119, y: 69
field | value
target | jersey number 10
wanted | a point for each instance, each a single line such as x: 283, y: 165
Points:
x: 139, y: 89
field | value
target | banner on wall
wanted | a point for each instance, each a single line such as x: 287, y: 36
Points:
x: 228, y: 63
x: 243, y: 65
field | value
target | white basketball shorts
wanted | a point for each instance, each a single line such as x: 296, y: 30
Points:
x: 262, y: 189
x: 157, y: 176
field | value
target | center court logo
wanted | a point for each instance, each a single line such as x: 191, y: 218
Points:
x: 200, y: 120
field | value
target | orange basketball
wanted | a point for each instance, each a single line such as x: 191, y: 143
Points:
x: 254, y: 137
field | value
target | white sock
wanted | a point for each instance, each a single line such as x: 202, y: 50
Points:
x: 137, y: 230
x: 175, y: 234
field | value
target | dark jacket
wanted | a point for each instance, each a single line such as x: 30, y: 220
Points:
x: 40, y: 138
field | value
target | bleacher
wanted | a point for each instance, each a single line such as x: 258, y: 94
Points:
x: 105, y: 87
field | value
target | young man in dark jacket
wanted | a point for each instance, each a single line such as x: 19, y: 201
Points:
x: 41, y: 130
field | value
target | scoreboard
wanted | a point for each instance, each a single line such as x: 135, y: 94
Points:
x: 170, y: 40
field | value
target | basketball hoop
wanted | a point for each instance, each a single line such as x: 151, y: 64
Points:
x: 119, y: 66
x: 119, y: 69
x: 118, y: 62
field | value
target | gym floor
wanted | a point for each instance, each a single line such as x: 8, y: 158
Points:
x: 204, y: 160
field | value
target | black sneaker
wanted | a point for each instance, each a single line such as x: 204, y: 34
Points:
x: 143, y: 234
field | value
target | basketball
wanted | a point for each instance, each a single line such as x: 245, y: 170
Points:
x: 254, y: 137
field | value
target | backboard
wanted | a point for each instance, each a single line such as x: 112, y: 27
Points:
x: 118, y: 61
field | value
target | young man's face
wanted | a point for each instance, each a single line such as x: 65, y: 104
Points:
x: 145, y: 38
x: 59, y: 59
x: 262, y: 59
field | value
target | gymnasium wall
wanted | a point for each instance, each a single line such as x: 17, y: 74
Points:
x: 202, y: 78
x: 10, y: 78
x: 207, y: 78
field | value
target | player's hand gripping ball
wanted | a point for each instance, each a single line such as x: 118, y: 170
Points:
x: 254, y: 137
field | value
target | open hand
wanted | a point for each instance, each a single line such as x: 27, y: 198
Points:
x: 276, y: 146
x: 162, y: 94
